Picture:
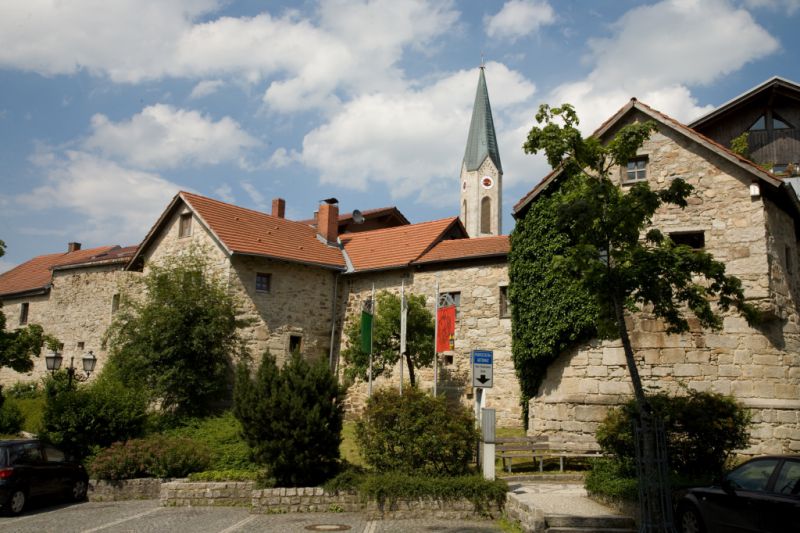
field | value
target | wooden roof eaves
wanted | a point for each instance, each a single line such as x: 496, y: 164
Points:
x: 38, y: 291
x: 775, y: 81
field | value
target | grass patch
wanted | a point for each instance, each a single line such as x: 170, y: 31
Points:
x: 32, y: 409
x: 349, y: 447
x: 225, y: 475
x: 608, y: 478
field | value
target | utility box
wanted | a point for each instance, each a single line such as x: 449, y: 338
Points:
x: 488, y: 439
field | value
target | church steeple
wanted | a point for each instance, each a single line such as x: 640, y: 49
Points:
x: 481, y: 170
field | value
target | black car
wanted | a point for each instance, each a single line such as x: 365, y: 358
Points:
x: 762, y: 495
x: 31, y: 468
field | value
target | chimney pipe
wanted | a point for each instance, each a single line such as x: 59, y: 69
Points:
x: 328, y: 220
x: 73, y: 247
x: 279, y: 207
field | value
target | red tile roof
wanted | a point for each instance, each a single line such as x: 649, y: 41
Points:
x: 396, y: 247
x: 36, y: 273
x: 115, y: 255
x: 250, y: 232
x: 345, y: 218
x: 457, y: 249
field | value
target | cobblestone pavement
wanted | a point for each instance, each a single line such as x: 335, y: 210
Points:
x: 147, y: 516
x: 562, y: 498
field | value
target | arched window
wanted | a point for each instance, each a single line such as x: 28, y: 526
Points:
x: 486, y: 215
x: 464, y: 210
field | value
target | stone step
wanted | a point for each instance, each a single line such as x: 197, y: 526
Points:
x: 602, y: 521
x: 589, y: 530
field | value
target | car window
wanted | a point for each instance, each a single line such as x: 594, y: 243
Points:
x: 789, y: 478
x: 54, y: 455
x: 4, y: 456
x: 753, y: 475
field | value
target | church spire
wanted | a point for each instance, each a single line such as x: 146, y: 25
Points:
x: 481, y: 171
x: 482, y: 140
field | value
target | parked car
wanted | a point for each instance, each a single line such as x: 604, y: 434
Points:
x: 761, y: 495
x: 31, y: 468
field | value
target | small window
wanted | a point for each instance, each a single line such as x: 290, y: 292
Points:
x: 114, y: 303
x: 23, y: 313
x: 185, y: 227
x: 81, y: 345
x: 779, y: 124
x: 295, y: 343
x: 760, y: 124
x: 692, y: 239
x: 636, y: 170
x: 448, y: 359
x: 263, y: 282
x: 505, y: 306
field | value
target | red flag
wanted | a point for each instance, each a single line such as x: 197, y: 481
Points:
x: 446, y: 328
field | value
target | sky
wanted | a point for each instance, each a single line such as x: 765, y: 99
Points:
x: 108, y: 108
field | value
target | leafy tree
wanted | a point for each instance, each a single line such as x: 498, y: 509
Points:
x: 178, y: 342
x: 291, y: 418
x: 613, y: 254
x: 17, y: 346
x: 386, y: 338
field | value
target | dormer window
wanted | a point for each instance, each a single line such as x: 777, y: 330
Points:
x: 636, y: 170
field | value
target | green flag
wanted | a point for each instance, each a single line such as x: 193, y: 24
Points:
x: 366, y: 330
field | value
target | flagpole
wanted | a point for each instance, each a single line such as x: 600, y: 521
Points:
x: 403, y: 326
x: 371, y: 331
x: 436, y: 339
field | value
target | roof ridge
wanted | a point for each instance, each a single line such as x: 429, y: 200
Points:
x: 372, y: 232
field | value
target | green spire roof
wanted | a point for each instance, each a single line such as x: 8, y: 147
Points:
x: 482, y: 140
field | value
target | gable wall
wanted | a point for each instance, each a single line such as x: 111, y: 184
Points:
x: 761, y: 367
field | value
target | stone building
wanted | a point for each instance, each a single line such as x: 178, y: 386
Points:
x: 743, y: 215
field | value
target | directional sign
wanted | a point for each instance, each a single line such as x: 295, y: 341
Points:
x: 482, y: 368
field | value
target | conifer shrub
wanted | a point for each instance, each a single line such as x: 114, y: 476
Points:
x: 291, y: 418
x: 416, y: 433
x: 155, y: 456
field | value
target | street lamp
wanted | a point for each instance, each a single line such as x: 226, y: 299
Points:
x: 53, y: 361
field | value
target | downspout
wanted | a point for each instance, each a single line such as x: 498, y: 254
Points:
x: 334, y: 364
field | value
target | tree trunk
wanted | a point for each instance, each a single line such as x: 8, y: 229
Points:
x: 411, y: 378
x: 633, y: 370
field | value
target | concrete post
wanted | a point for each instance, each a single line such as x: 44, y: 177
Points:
x: 488, y: 438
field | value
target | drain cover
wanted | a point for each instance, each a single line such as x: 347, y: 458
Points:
x: 327, y: 527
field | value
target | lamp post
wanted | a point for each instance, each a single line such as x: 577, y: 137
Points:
x: 53, y: 361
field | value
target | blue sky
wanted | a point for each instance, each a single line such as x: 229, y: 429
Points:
x: 109, y: 107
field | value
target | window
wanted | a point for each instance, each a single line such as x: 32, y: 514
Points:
x: 81, y: 345
x: 23, y: 313
x: 505, y: 305
x: 636, y: 170
x: 789, y: 478
x: 759, y: 124
x: 766, y: 120
x: 465, y: 215
x: 114, y: 303
x: 26, y: 454
x: 185, y: 226
x: 448, y: 359
x: 263, y: 282
x: 692, y: 239
x: 450, y: 298
x: 295, y: 343
x: 486, y: 215
x: 54, y: 455
x: 753, y: 476
x: 779, y: 124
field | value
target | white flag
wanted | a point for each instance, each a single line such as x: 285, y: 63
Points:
x: 403, y: 320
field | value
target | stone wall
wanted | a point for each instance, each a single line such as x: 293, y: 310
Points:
x: 478, y: 326
x: 101, y: 490
x: 76, y: 310
x: 219, y: 493
x: 759, y: 366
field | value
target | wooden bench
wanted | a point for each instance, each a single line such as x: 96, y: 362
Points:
x: 538, y: 449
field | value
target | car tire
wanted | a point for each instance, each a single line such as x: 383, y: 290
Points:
x: 689, y: 521
x: 16, y: 503
x: 77, y: 491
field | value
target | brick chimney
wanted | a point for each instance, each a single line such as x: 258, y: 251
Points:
x: 279, y: 207
x: 328, y: 219
x: 73, y: 246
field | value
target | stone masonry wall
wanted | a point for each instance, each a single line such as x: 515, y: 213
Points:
x: 478, y: 326
x: 760, y: 367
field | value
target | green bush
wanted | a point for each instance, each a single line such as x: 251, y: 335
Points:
x: 155, y: 456
x: 416, y: 433
x: 11, y: 418
x: 291, y: 419
x: 391, y: 486
x: 225, y: 475
x: 703, y: 429
x: 223, y: 435
x: 611, y: 478
x: 24, y: 390
x: 82, y: 417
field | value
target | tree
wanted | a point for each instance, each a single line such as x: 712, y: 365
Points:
x: 178, y: 342
x: 18, y: 346
x: 291, y: 418
x: 386, y: 338
x: 612, y: 253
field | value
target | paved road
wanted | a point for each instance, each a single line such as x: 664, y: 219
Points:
x: 147, y: 516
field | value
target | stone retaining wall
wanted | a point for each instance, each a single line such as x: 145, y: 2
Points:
x: 220, y: 493
x: 530, y: 518
x: 101, y: 490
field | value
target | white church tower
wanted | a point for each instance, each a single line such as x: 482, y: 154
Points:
x: 481, y: 171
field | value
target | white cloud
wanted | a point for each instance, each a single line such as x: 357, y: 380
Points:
x: 281, y: 158
x: 255, y: 195
x: 346, y: 45
x: 408, y: 141
x: 225, y: 193
x: 205, y: 88
x: 657, y: 51
x: 116, y: 205
x: 164, y: 137
x: 519, y: 18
